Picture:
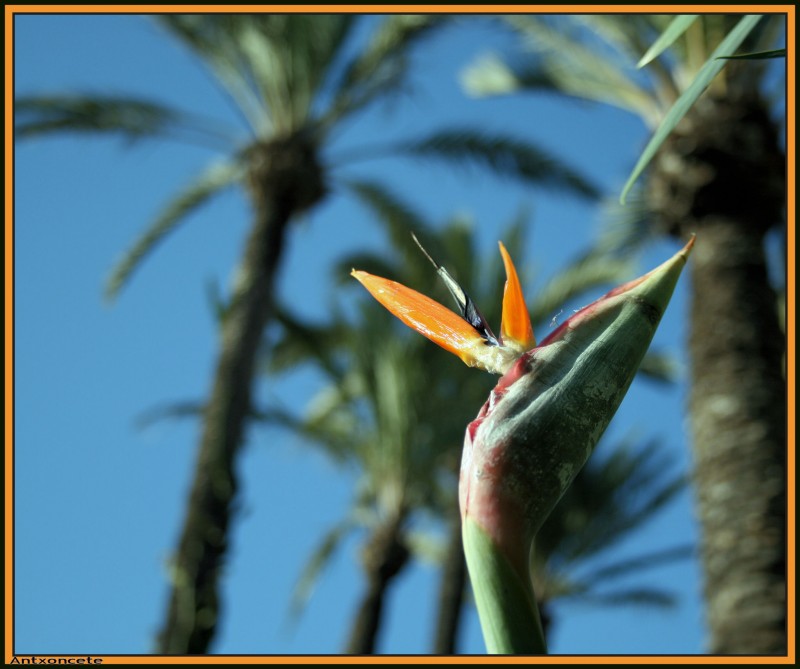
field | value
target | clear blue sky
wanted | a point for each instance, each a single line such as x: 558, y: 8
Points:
x: 99, y: 503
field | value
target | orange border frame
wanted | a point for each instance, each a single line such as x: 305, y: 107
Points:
x: 12, y: 10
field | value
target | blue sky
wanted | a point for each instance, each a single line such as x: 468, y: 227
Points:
x: 99, y: 502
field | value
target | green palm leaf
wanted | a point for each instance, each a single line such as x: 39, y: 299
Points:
x: 502, y: 154
x: 290, y: 56
x: 132, y: 118
x: 197, y: 193
x: 302, y: 342
x: 563, y: 61
x: 712, y: 67
x: 758, y: 55
x: 392, y: 38
x: 674, y: 30
x: 625, y: 36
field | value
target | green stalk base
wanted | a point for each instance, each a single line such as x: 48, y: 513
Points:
x: 506, y: 604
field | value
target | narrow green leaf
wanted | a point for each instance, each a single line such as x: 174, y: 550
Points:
x: 758, y: 55
x: 674, y: 30
x: 710, y: 69
x: 211, y: 182
x: 581, y: 70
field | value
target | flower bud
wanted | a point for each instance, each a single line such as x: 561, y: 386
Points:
x: 547, y: 413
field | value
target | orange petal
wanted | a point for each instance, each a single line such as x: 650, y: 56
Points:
x: 515, y: 328
x: 426, y: 316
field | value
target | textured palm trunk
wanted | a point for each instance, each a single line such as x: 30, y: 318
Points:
x: 194, y: 605
x: 723, y: 178
x: 385, y: 555
x: 738, y: 423
x: 451, y: 592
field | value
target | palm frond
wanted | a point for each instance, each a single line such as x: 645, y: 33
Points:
x: 505, y: 155
x: 580, y: 70
x: 301, y: 341
x: 679, y: 25
x: 312, y: 570
x: 210, y: 183
x: 132, y: 118
x: 381, y: 67
x: 332, y: 421
x: 170, y: 411
x: 623, y: 36
x: 399, y: 220
x: 627, y: 229
x: 630, y: 596
x: 388, y: 43
x: 693, y: 91
x: 489, y: 75
x: 458, y: 252
x: 514, y: 235
x: 196, y: 409
x: 624, y: 568
x: 214, y: 38
x: 768, y: 37
x: 290, y: 56
x: 758, y: 55
x: 609, y: 498
x: 647, y: 486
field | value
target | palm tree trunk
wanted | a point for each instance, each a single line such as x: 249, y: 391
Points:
x: 451, y: 592
x: 384, y: 557
x: 722, y: 175
x: 194, y: 606
x: 738, y: 424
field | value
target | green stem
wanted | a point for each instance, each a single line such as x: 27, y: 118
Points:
x: 506, y: 604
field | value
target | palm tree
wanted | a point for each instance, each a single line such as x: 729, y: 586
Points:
x: 617, y: 492
x: 720, y: 174
x: 396, y: 409
x: 292, y: 83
